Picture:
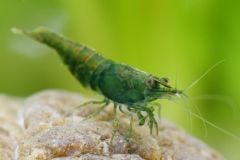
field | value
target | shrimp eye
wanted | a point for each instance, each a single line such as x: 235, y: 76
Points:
x: 165, y: 80
x: 151, y: 82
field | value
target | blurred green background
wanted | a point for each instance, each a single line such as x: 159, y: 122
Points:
x: 176, y: 39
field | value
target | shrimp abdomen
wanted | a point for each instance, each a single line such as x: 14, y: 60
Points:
x: 83, y: 62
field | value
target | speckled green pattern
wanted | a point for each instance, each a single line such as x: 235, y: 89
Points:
x: 119, y: 83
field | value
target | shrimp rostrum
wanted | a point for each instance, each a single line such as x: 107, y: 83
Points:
x: 119, y: 83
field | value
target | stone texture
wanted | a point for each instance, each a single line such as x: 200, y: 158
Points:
x: 45, y: 131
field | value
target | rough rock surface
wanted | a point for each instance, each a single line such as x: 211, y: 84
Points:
x: 39, y: 128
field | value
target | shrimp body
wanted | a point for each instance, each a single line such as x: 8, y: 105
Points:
x: 120, y: 83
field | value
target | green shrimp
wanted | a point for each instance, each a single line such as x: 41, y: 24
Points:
x: 118, y: 83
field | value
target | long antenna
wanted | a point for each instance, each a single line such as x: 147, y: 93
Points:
x: 215, y: 126
x: 234, y: 136
x: 203, y: 75
x: 187, y: 100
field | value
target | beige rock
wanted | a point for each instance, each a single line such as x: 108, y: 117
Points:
x: 50, y: 133
x: 9, y: 128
